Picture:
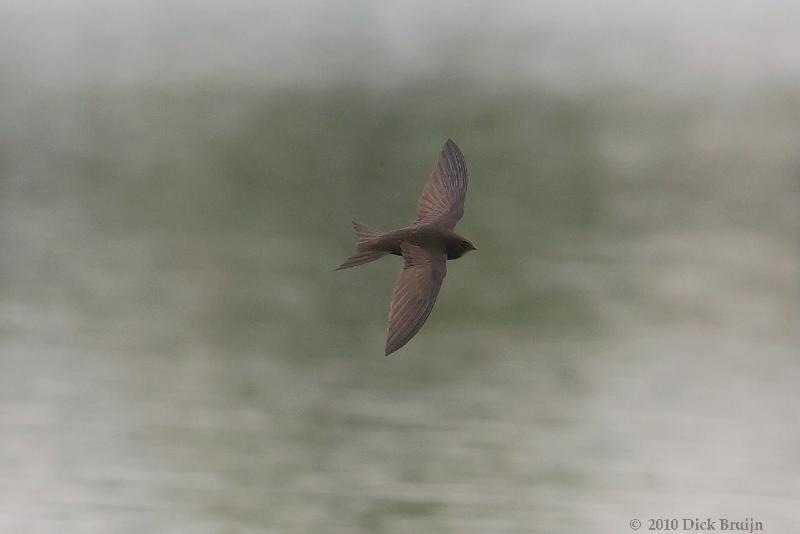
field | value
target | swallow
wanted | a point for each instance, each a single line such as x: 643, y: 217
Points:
x: 425, y: 247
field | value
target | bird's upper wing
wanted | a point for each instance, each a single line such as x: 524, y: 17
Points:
x: 414, y: 293
x: 442, y: 200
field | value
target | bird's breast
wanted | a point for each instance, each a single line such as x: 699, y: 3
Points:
x: 429, y: 237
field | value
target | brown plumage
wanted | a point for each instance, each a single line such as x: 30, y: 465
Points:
x: 425, y: 246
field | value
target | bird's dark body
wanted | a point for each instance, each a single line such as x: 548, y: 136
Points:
x: 427, y: 236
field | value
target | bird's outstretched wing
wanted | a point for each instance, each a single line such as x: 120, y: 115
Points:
x: 414, y: 293
x: 442, y: 200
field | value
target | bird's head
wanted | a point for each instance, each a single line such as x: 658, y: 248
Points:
x: 465, y: 246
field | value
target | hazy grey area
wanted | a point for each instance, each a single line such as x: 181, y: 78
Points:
x: 177, y: 181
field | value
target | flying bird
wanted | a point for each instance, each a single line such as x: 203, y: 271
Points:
x: 425, y: 247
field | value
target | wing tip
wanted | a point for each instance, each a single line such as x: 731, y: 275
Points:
x: 393, y: 347
x: 452, y: 151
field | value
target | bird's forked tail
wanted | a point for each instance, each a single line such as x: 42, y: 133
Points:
x: 364, y: 236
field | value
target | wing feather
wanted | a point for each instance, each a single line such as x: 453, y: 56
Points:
x: 442, y: 199
x: 414, y: 294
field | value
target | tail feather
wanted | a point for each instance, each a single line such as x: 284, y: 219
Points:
x: 360, y: 258
x: 364, y: 233
x: 363, y: 254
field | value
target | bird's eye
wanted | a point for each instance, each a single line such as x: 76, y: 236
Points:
x: 464, y: 243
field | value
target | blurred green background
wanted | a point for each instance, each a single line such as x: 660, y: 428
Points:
x: 177, y: 182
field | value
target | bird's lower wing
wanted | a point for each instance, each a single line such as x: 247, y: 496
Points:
x: 414, y: 294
